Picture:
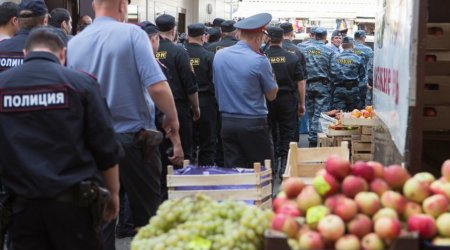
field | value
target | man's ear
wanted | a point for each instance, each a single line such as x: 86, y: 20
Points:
x: 25, y: 52
x: 62, y: 55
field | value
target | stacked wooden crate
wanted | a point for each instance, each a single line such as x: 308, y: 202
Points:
x: 362, y: 145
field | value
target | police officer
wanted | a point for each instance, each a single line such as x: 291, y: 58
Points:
x: 347, y: 70
x: 335, y: 43
x: 66, y: 139
x: 31, y: 13
x: 318, y: 96
x: 182, y: 83
x: 202, y: 61
x: 290, y: 100
x: 366, y: 53
x: 217, y: 21
x: 228, y: 36
x: 243, y: 77
x: 369, y: 96
x: 288, y: 36
x: 304, y: 44
x: 214, y: 35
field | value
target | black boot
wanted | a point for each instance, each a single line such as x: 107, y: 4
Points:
x: 283, y: 162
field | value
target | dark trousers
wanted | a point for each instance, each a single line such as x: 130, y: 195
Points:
x: 246, y: 141
x: 284, y: 122
x: 219, y: 145
x: 186, y: 123
x: 140, y: 178
x: 362, y: 96
x: 206, y: 126
x: 50, y: 224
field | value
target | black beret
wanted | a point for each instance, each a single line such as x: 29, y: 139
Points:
x: 36, y: 7
x: 287, y: 27
x: 227, y: 26
x: 148, y: 27
x: 275, y: 32
x: 217, y: 22
x: 196, y: 29
x: 165, y: 22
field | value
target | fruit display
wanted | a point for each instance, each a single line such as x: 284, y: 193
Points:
x: 366, y: 113
x: 363, y: 206
x: 200, y: 223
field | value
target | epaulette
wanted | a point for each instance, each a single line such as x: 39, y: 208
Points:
x: 88, y: 74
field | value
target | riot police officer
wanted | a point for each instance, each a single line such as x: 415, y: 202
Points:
x: 202, y: 61
x: 366, y: 53
x: 31, y: 13
x: 347, y: 70
x: 228, y: 36
x: 288, y: 36
x: 182, y: 82
x: 290, y: 100
x: 66, y: 138
x: 318, y: 89
x: 335, y: 43
x: 312, y: 36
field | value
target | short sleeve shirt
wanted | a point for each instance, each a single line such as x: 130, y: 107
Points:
x: 242, y: 77
x: 121, y: 57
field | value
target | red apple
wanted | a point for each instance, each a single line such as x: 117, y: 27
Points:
x: 310, y: 240
x: 396, y: 176
x: 443, y: 225
x: 289, y: 208
x: 326, y: 185
x: 353, y: 185
x: 412, y: 208
x: 385, y: 213
x: 346, y: 209
x: 333, y: 200
x: 372, y: 242
x: 292, y: 187
x: 435, y: 205
x: 308, y: 198
x: 278, y: 202
x: 286, y: 224
x: 394, y: 200
x: 387, y: 228
x: 337, y: 167
x: 436, y: 187
x: 424, y: 224
x: 415, y: 190
x: 379, y: 186
x: 360, y: 225
x: 368, y: 203
x: 378, y: 168
x: 445, y: 170
x: 348, y: 242
x: 425, y: 177
x: 331, y: 227
x: 361, y: 169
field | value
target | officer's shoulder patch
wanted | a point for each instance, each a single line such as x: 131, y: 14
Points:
x: 277, y: 59
x: 195, y: 61
x: 37, y: 98
x: 88, y: 74
x: 161, y: 54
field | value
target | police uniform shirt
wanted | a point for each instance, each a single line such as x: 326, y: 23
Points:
x: 336, y: 50
x: 347, y: 66
x: 287, y: 68
x: 241, y: 77
x: 302, y: 46
x: 56, y: 128
x: 226, y: 41
x: 290, y: 47
x: 202, y: 60
x: 318, y: 60
x: 176, y: 59
x: 11, y: 54
x: 366, y: 53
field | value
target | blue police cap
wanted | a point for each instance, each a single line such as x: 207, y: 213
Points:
x: 321, y: 32
x: 227, y: 26
x: 275, y: 32
x: 196, y: 29
x: 214, y: 34
x: 217, y: 22
x: 347, y: 39
x: 148, y: 27
x: 313, y: 30
x: 335, y: 33
x: 32, y: 8
x: 287, y: 27
x: 255, y: 23
x: 165, y: 22
x: 360, y: 34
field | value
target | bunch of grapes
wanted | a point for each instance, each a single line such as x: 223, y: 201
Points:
x: 201, y: 223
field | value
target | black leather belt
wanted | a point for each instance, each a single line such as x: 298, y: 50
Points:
x: 318, y: 79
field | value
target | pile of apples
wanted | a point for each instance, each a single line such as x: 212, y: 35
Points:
x: 363, y: 206
x: 366, y: 113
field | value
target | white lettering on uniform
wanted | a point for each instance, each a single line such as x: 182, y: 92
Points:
x: 51, y: 98
x: 34, y: 100
x: 3, y: 62
x: 16, y: 101
x: 25, y: 101
x: 60, y: 98
x: 43, y: 100
x: 7, y: 101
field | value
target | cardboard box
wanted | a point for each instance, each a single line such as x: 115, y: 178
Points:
x: 438, y: 36
x: 436, y: 118
x: 437, y: 90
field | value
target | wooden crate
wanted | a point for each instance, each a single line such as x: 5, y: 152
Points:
x: 440, y: 120
x: 362, y: 138
x: 324, y: 140
x: 361, y: 157
x: 436, y: 90
x: 438, y: 36
x: 261, y: 195
x: 366, y: 130
x: 305, y: 162
x: 358, y: 146
x: 349, y: 121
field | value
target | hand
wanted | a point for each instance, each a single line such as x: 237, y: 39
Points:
x: 178, y: 155
x: 300, y: 110
x: 111, y: 209
x: 196, y: 112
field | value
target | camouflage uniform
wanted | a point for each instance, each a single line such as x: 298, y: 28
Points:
x: 366, y: 54
x: 347, y: 70
x: 369, y: 95
x: 318, y: 96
